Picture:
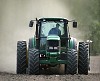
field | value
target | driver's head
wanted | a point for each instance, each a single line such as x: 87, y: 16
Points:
x: 57, y: 25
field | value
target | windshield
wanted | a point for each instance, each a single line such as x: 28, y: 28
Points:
x: 47, y: 26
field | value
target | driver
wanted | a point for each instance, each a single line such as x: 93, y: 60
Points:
x: 55, y: 31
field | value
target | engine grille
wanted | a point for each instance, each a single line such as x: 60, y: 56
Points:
x: 53, y: 45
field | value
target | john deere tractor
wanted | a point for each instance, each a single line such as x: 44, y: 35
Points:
x: 47, y: 50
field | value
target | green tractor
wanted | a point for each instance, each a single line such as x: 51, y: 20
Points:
x: 52, y: 46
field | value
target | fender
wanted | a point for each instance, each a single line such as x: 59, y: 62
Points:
x: 73, y: 43
x: 32, y: 42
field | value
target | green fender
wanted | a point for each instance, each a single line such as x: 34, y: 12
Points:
x: 32, y: 42
x: 73, y: 43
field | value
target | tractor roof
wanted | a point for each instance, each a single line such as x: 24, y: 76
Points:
x: 52, y: 19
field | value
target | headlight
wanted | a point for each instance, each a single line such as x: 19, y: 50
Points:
x: 55, y: 48
x: 50, y: 48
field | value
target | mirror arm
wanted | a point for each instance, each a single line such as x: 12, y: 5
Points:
x: 35, y: 20
x: 72, y: 21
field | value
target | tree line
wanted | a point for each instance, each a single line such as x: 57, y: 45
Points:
x: 87, y: 13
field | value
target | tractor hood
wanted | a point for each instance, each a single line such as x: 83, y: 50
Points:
x: 53, y: 37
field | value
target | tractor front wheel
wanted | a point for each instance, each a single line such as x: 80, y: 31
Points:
x: 33, y: 61
x: 71, y: 66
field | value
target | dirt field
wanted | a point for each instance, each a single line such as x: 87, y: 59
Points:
x: 95, y: 64
x: 13, y: 77
x: 94, y: 75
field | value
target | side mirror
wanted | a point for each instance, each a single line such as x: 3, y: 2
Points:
x: 74, y: 24
x: 31, y: 23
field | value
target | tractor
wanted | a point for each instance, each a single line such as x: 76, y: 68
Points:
x: 46, y: 50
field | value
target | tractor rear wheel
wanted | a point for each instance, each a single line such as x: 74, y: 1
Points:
x: 83, y: 64
x: 33, y: 61
x: 71, y: 66
x: 21, y: 57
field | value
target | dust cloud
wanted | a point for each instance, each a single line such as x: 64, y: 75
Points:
x: 14, y: 19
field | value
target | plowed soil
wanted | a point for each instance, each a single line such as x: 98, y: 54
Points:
x: 94, y: 75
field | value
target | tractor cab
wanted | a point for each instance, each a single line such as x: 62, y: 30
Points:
x: 49, y: 32
x: 48, y: 27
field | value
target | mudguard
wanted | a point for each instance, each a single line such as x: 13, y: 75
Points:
x: 73, y: 43
x: 32, y: 42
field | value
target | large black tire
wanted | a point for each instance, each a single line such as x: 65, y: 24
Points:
x: 21, y: 57
x: 83, y: 62
x: 71, y: 66
x: 33, y: 61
